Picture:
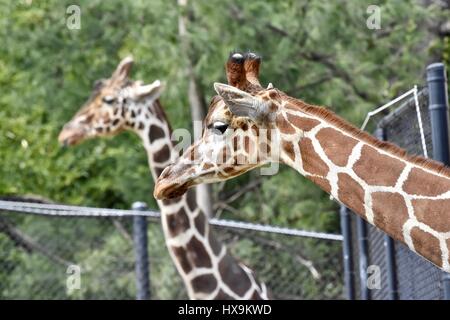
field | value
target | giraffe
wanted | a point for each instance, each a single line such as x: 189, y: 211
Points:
x: 247, y: 126
x: 204, y: 263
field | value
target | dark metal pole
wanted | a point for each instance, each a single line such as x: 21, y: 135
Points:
x: 390, y: 266
x: 141, y: 253
x: 361, y: 229
x: 389, y: 246
x: 438, y: 106
x: 347, y: 252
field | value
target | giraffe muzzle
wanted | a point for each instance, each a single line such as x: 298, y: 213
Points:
x: 171, y: 184
x: 167, y: 190
x: 71, y: 134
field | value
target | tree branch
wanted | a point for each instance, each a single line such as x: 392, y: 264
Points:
x: 336, y: 71
x: 21, y: 239
x: 121, y: 229
x: 220, y: 205
x: 279, y: 246
x: 314, y: 83
x: 195, y: 94
x: 320, y: 58
x: 27, y: 243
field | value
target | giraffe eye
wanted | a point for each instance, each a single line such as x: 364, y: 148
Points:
x: 219, y: 127
x: 108, y: 99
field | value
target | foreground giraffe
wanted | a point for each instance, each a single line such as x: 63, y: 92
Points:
x: 206, y: 267
x: 248, y: 126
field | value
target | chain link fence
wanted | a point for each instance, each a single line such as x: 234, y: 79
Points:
x: 416, y: 277
x: 413, y: 277
x: 36, y: 251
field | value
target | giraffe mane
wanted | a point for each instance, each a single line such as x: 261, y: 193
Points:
x: 338, y: 122
x: 161, y: 113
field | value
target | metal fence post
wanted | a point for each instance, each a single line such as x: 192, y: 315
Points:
x: 389, y: 245
x: 361, y: 229
x: 347, y: 252
x: 438, y: 106
x: 141, y: 253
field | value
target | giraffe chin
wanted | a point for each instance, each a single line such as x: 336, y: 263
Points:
x: 170, y: 190
x: 69, y: 138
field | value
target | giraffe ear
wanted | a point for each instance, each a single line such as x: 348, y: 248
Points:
x: 243, y: 104
x: 123, y: 69
x: 152, y: 90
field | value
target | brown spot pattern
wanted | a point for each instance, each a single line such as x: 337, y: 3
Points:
x: 158, y: 171
x: 204, y: 283
x: 336, y: 145
x: 181, y: 255
x: 247, y: 144
x: 235, y: 143
x: 233, y: 275
x: 425, y: 242
x: 390, y: 213
x: 207, y: 166
x: 426, y: 184
x: 192, y: 153
x: 304, y: 124
x: 215, y: 245
x: 256, y: 296
x: 223, y: 296
x: 228, y: 169
x: 351, y: 193
x: 435, y: 214
x: 378, y: 169
x: 197, y: 254
x: 200, y: 223
x: 284, y: 126
x: 162, y: 155
x: 177, y: 223
x: 191, y: 199
x: 312, y: 163
x: 155, y: 133
x: 288, y: 148
x: 323, y: 183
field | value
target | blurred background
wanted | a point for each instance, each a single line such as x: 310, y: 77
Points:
x: 320, y: 51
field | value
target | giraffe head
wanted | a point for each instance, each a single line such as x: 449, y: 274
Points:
x: 237, y: 134
x: 111, y: 108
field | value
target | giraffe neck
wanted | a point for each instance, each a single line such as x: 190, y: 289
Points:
x: 206, y: 267
x: 406, y: 197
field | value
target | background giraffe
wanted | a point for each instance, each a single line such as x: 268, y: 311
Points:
x: 407, y: 197
x: 206, y: 267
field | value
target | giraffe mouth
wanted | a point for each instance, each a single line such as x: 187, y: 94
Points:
x: 168, y: 190
x: 173, y: 182
x: 69, y: 136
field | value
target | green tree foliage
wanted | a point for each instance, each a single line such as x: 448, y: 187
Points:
x: 319, y: 51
